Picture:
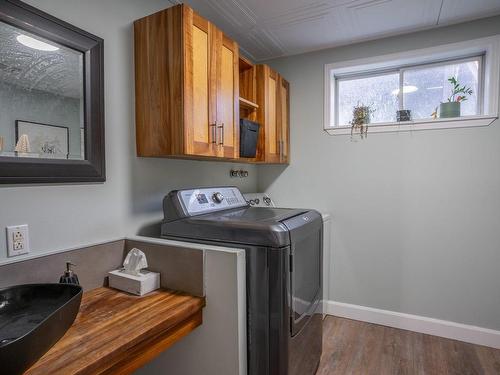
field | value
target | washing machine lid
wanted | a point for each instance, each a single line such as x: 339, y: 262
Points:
x: 246, y: 226
x: 222, y: 215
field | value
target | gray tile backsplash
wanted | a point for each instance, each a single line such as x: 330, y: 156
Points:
x: 92, y: 265
x: 180, y: 268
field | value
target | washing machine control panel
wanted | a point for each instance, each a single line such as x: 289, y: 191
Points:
x: 205, y: 200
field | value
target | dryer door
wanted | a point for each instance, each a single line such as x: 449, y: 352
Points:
x: 306, y: 237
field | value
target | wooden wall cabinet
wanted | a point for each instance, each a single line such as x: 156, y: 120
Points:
x: 187, y: 87
x: 192, y: 88
x: 273, y: 113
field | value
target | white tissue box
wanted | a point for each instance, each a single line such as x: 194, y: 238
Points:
x: 145, y: 282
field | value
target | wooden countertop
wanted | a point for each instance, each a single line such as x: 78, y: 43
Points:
x: 116, y: 333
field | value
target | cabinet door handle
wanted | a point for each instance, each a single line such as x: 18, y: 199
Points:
x: 213, y: 133
x: 221, y: 130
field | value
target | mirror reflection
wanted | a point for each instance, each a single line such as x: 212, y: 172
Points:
x: 41, y: 97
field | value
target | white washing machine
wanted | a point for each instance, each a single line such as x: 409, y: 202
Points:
x: 264, y: 200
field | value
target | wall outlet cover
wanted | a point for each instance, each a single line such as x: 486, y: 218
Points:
x: 18, y: 240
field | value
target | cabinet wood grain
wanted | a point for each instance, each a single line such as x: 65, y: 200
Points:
x: 199, y: 96
x: 116, y: 333
x: 227, y: 102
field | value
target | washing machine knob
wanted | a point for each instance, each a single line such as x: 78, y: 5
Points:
x: 217, y: 197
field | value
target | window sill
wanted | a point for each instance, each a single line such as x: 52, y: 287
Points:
x: 426, y: 124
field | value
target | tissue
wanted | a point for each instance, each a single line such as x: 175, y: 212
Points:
x: 134, y: 262
x: 133, y: 278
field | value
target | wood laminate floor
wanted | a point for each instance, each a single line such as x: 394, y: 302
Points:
x: 352, y: 347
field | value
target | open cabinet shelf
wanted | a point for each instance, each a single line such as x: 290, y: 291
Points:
x: 248, y: 89
x: 248, y: 105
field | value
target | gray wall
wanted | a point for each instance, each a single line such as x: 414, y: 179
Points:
x: 73, y: 215
x: 416, y: 216
x: 17, y: 103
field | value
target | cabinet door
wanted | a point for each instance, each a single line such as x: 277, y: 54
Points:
x: 227, y: 96
x: 199, y: 85
x: 271, y: 121
x: 284, y: 119
x: 273, y: 114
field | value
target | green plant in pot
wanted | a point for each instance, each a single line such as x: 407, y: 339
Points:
x: 459, y: 93
x: 361, y: 117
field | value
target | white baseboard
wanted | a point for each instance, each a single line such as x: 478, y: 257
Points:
x: 415, y: 323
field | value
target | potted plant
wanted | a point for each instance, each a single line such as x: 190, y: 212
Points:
x: 451, y: 108
x: 361, y: 117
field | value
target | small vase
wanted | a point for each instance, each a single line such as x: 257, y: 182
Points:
x: 403, y: 115
x: 449, y: 109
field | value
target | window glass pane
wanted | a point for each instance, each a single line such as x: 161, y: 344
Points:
x: 375, y: 91
x: 432, y: 88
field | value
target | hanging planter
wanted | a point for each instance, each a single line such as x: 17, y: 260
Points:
x: 361, y: 117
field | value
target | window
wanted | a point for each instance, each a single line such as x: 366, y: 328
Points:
x: 417, y: 81
x: 419, y: 88
x: 424, y: 87
x: 376, y: 90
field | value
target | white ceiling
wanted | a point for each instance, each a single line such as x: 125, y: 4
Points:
x: 57, y: 72
x: 271, y: 28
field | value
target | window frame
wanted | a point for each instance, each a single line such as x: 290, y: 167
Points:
x: 486, y: 50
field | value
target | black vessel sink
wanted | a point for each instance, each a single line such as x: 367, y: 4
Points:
x: 33, y: 318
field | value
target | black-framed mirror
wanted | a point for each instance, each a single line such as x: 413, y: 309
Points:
x: 51, y: 99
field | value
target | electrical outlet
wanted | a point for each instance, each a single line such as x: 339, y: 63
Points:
x: 18, y: 240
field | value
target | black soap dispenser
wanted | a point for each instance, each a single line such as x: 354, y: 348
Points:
x: 69, y: 277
